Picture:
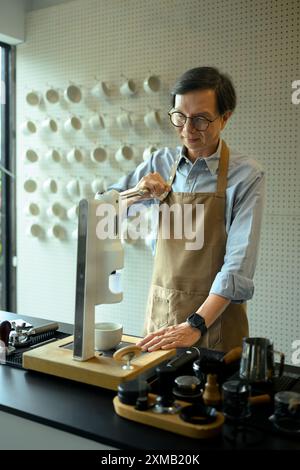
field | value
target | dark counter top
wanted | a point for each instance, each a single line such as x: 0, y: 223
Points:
x: 88, y: 411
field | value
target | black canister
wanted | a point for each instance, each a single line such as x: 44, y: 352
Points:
x: 132, y: 390
x: 236, y: 399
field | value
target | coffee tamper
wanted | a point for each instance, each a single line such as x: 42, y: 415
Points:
x: 128, y: 353
x: 165, y: 402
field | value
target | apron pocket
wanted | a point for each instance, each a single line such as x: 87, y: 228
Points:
x: 159, y: 308
x: 182, y: 304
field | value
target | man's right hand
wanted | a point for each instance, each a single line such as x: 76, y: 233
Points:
x: 154, y: 184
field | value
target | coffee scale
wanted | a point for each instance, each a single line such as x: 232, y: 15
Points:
x: 99, y: 257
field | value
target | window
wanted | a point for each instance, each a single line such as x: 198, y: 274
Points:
x: 7, y: 183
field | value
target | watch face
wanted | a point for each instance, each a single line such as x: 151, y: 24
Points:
x: 196, y: 321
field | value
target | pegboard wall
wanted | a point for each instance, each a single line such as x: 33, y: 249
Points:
x: 86, y: 42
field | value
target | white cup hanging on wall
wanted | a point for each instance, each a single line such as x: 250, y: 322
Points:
x: 28, y: 127
x: 101, y: 90
x: 148, y: 152
x: 53, y: 156
x: 98, y: 185
x: 96, y: 122
x: 35, y: 230
x: 98, y: 154
x: 124, y: 120
x: 124, y: 153
x: 52, y: 95
x: 128, y: 88
x: 32, y: 209
x: 152, y: 120
x: 30, y: 185
x: 75, y: 155
x: 151, y: 84
x: 73, y: 124
x: 73, y: 188
x: 49, y: 125
x: 73, y: 94
x: 50, y: 186
x: 73, y: 212
x: 57, y: 232
x: 55, y: 210
x: 33, y: 98
x: 31, y: 156
x: 74, y: 234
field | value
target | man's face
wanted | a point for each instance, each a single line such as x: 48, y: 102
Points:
x: 200, y: 103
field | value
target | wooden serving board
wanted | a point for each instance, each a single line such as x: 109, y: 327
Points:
x: 102, y: 371
x: 169, y: 422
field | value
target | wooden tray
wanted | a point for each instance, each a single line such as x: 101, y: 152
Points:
x: 168, y: 422
x: 102, y: 371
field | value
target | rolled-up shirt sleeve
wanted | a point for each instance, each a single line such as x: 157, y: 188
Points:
x: 235, y: 279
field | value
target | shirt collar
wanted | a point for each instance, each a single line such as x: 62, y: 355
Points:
x: 212, y: 162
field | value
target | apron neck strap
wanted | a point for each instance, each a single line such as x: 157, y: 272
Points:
x: 223, y: 168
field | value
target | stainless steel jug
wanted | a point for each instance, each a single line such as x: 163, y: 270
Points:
x: 257, y: 362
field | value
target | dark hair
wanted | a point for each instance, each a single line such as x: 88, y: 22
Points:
x: 207, y: 78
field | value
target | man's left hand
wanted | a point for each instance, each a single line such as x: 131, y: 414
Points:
x: 177, y: 336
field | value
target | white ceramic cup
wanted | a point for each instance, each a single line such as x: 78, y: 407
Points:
x: 31, y: 156
x: 148, y: 152
x: 98, y: 185
x: 124, y: 153
x: 124, y: 121
x: 96, y: 122
x: 74, y: 234
x: 55, y: 210
x: 73, y: 94
x: 33, y: 98
x: 74, y: 156
x: 56, y: 231
x: 151, y: 84
x: 28, y: 127
x: 50, y: 186
x: 128, y: 88
x: 73, y: 212
x: 107, y: 335
x: 35, y: 230
x: 152, y: 120
x: 98, y: 154
x: 49, y: 125
x: 100, y: 90
x: 53, y: 156
x: 73, y: 124
x: 73, y: 188
x: 52, y: 95
x: 30, y: 185
x: 32, y: 209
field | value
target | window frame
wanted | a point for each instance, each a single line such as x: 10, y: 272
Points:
x: 8, y: 184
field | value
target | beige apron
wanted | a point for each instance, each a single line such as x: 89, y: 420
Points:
x: 182, y: 278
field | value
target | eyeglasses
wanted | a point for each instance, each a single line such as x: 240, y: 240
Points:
x: 200, y: 123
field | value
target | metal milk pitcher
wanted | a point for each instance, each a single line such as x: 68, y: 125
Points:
x: 257, y: 362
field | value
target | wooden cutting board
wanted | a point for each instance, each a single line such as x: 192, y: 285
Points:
x: 103, y: 371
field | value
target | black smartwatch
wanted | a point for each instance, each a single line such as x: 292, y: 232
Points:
x: 196, y: 321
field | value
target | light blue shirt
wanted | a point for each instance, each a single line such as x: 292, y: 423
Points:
x: 244, y: 205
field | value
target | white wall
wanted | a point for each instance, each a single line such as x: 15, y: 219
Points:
x: 12, y: 21
x: 255, y: 42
